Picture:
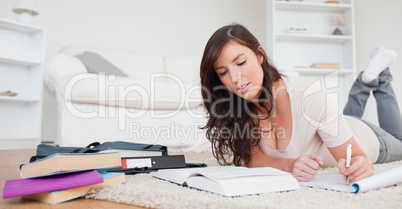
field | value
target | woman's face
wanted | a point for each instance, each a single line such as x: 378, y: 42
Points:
x: 239, y: 69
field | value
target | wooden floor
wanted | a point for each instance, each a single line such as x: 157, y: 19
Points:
x: 10, y: 160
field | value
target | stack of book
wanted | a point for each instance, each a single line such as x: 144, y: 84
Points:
x: 62, y: 177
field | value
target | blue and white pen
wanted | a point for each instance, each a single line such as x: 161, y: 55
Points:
x: 348, y: 157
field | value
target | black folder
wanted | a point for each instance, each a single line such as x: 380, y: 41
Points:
x: 134, y: 165
x: 155, y: 162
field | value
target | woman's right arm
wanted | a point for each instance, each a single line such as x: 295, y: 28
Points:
x: 303, y: 168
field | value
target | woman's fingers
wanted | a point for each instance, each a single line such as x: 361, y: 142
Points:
x: 360, y: 168
x: 365, y: 174
x: 302, y: 179
x: 305, y: 167
x: 342, y: 165
x: 355, y: 164
x: 318, y: 159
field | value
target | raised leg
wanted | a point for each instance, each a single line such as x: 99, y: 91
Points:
x: 369, y: 80
x: 389, y: 115
x: 358, y: 96
x: 381, y: 58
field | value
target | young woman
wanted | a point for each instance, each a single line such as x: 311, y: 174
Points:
x: 258, y: 117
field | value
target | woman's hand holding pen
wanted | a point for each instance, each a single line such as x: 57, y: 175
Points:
x: 305, y: 167
x: 360, y: 165
x: 360, y: 168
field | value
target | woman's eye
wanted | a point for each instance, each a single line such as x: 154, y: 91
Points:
x: 223, y: 73
x: 240, y: 64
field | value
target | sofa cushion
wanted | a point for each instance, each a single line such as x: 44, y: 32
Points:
x: 137, y: 65
x: 159, y: 94
x: 95, y: 63
x: 186, y: 67
x: 149, y: 84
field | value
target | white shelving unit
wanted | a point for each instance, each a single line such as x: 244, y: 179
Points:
x: 21, y: 62
x: 294, y: 53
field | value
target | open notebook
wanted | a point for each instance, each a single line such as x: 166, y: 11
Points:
x: 337, y: 183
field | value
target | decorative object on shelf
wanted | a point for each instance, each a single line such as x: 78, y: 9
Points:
x: 25, y: 10
x: 295, y: 53
x: 326, y: 65
x: 338, y: 21
x: 332, y: 2
x: 297, y: 30
x: 8, y: 93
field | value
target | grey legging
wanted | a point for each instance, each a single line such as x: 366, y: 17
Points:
x: 389, y: 116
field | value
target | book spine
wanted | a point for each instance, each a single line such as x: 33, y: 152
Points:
x: 157, y: 162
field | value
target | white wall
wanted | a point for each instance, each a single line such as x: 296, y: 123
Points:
x: 378, y: 23
x: 162, y: 26
x: 184, y: 26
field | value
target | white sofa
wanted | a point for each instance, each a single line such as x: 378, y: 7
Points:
x: 159, y: 102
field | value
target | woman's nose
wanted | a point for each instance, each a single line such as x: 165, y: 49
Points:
x: 236, y: 75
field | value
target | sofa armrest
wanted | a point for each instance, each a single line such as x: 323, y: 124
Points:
x: 60, y: 66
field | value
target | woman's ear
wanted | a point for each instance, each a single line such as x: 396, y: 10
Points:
x: 260, y: 55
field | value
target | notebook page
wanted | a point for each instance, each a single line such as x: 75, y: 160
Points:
x: 329, y: 181
x: 337, y: 183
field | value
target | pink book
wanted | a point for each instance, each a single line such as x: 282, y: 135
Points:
x: 21, y: 187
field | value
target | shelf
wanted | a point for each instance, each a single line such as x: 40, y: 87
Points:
x: 293, y: 53
x: 18, y: 26
x: 21, y: 64
x: 313, y: 38
x: 18, y: 99
x: 19, y: 138
x: 316, y: 71
x: 19, y: 61
x: 312, y: 6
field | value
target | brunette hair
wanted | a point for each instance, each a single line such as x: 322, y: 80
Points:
x: 230, y: 125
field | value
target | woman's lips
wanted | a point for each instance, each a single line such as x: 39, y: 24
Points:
x: 243, y: 87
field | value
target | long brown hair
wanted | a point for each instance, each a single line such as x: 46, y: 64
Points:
x: 230, y: 125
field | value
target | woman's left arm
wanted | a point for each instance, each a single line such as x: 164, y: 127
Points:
x: 360, y: 165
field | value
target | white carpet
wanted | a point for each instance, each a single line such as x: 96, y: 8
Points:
x: 146, y: 191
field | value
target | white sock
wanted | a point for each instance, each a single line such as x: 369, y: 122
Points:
x: 381, y: 58
x: 375, y: 51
